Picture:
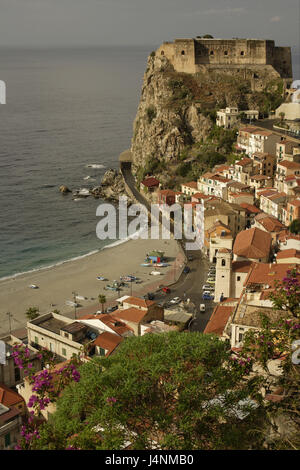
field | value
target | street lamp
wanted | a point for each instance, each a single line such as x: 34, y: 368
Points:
x: 9, y: 319
x: 74, y: 296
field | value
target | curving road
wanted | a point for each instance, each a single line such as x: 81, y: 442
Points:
x: 188, y: 285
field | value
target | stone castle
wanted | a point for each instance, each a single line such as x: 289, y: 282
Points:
x: 255, y: 59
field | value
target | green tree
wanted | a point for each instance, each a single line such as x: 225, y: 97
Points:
x: 32, y: 313
x: 180, y: 390
x: 295, y: 226
x: 102, y: 301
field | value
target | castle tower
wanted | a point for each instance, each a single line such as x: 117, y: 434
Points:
x: 223, y: 274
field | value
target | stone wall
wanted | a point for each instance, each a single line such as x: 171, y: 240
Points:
x: 250, y: 58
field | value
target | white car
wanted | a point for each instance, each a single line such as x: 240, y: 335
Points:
x: 176, y: 300
x: 202, y: 307
x: 208, y: 287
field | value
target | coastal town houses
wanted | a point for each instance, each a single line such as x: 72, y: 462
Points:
x: 65, y: 337
x: 188, y: 189
x: 288, y: 150
x: 149, y: 185
x: 265, y: 163
x: 288, y: 256
x: 262, y: 141
x: 216, y: 237
x: 243, y: 170
x: 287, y: 241
x: 10, y: 374
x: 213, y: 184
x: 135, y: 311
x: 227, y: 117
x: 260, y: 182
x: 285, y: 169
x: 290, y: 185
x: 269, y: 224
x: 254, y: 300
x: 252, y: 139
x: 219, y: 318
x: 232, y: 267
x: 291, y: 212
x: 272, y: 202
x: 10, y: 426
x: 232, y: 215
x: 251, y: 212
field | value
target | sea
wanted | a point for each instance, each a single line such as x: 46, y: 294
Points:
x: 69, y: 114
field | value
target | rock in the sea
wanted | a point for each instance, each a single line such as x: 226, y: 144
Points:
x: 112, y: 186
x: 64, y: 189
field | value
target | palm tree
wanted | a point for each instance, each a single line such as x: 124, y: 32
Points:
x: 32, y: 313
x: 102, y: 301
x: 282, y: 115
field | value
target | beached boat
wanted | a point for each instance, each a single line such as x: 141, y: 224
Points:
x: 71, y: 303
x: 33, y: 286
x: 101, y: 278
x: 146, y: 264
x: 155, y: 273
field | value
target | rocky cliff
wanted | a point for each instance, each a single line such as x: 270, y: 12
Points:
x: 177, y: 110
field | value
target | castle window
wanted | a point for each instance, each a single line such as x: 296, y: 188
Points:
x: 242, y: 52
x: 162, y: 53
x: 182, y: 52
x: 223, y: 262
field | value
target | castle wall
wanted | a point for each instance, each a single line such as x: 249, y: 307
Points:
x: 253, y: 59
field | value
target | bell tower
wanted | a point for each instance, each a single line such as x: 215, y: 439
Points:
x: 223, y: 274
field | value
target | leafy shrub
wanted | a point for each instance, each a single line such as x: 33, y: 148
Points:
x: 151, y: 113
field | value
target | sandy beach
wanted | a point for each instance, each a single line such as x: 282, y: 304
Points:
x: 57, y: 283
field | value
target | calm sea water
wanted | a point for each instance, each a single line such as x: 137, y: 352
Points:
x: 65, y: 109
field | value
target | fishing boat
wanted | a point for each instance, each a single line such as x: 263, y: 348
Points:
x: 101, y: 278
x: 146, y: 264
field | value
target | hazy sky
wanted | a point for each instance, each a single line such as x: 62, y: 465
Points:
x: 102, y: 22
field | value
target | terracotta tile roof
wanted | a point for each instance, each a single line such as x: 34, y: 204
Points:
x: 252, y: 243
x: 267, y: 192
x: 133, y: 315
x: 224, y: 250
x: 200, y: 196
x: 245, y: 161
x: 289, y: 165
x: 191, y: 184
x: 109, y: 321
x: 261, y: 132
x: 286, y: 235
x: 167, y: 192
x: 218, y: 319
x: 11, y: 413
x: 8, y: 397
x: 108, y: 341
x: 260, y: 177
x: 270, y: 223
x: 250, y: 208
x: 139, y: 302
x: 236, y: 195
x: 291, y: 253
x: 267, y: 273
x: 295, y: 202
x: 241, y: 266
x: 149, y: 182
x: 248, y: 129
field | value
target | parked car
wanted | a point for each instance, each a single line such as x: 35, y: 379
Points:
x: 207, y: 296
x: 186, y: 270
x: 202, y: 307
x: 166, y: 290
x: 208, y: 287
x: 112, y: 309
x: 176, y: 300
x: 211, y: 280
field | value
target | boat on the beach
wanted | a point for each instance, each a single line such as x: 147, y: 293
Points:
x: 155, y: 273
x: 146, y: 264
x: 161, y: 265
x: 71, y: 303
x: 33, y: 286
x: 101, y: 278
